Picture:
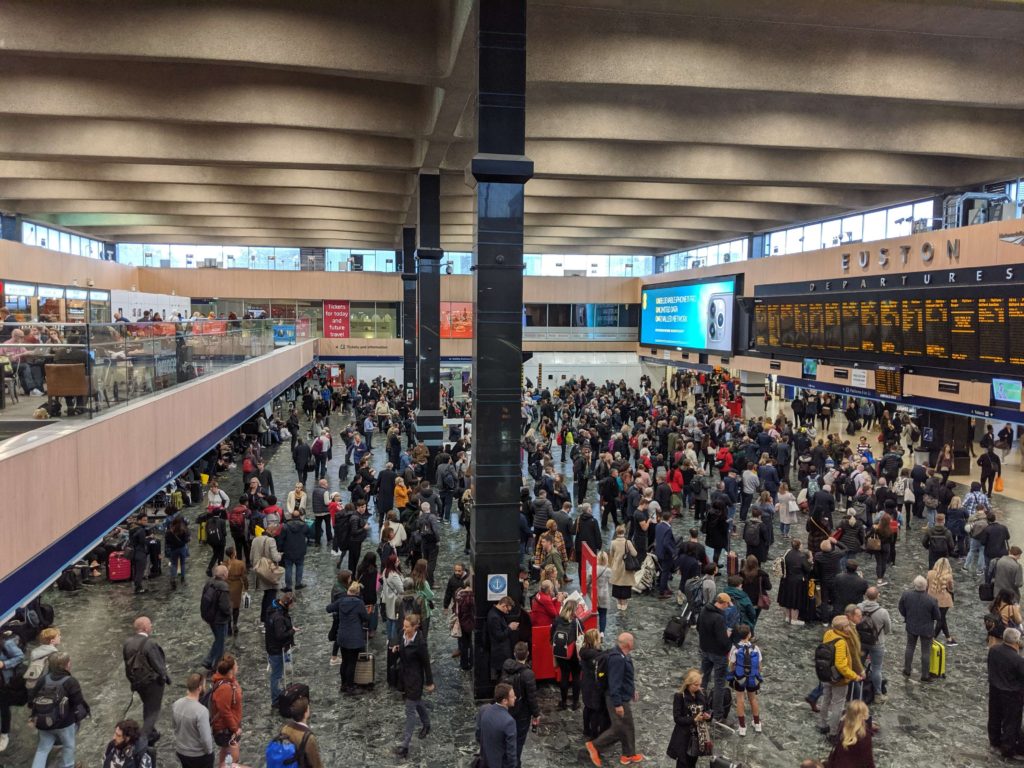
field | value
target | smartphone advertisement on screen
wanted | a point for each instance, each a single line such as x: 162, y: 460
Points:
x: 693, y: 316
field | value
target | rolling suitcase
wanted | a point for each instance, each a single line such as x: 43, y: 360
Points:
x: 732, y: 564
x: 288, y: 697
x: 937, y: 663
x: 366, y: 670
x: 195, y: 492
x: 119, y: 567
x: 986, y: 592
x: 675, y: 631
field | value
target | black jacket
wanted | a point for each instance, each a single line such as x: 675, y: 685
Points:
x: 499, y: 638
x: 527, y: 704
x: 683, y: 705
x: 154, y: 658
x: 849, y: 588
x: 292, y: 539
x: 712, y: 631
x: 587, y: 532
x: 415, y: 666
x: 222, y: 610
x: 300, y: 456
x: 1005, y: 668
x: 79, y: 709
x: 994, y: 538
x: 280, y: 634
x: 454, y: 585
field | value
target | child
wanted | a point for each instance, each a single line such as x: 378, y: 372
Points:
x: 745, y: 676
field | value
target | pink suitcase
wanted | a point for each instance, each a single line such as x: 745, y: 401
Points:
x: 119, y: 567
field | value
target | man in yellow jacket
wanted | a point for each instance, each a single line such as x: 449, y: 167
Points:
x: 849, y: 666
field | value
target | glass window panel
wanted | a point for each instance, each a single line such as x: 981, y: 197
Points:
x: 532, y: 263
x: 129, y: 253
x: 874, y: 226
x: 336, y: 259
x: 924, y: 210
x: 65, y: 242
x: 536, y: 315
x: 156, y: 255
x: 183, y: 256
x: 286, y: 259
x: 282, y: 309
x: 558, y: 315
x: 551, y: 264
x: 629, y: 316
x: 853, y: 229
x: 261, y: 258
x: 28, y: 233
x: 899, y: 221
x: 812, y: 237
x: 794, y: 240
x: 76, y: 245
x: 830, y: 232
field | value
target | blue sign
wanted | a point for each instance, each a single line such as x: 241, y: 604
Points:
x: 284, y: 335
x: 695, y: 316
x: 497, y: 586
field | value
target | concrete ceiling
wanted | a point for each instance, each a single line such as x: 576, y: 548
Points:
x: 653, y: 124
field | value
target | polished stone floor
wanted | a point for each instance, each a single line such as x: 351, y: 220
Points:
x: 939, y: 724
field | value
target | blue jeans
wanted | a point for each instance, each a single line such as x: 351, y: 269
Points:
x: 931, y: 515
x: 66, y: 737
x: 177, y: 558
x: 711, y: 662
x: 876, y: 653
x: 288, y: 566
x: 602, y: 619
x: 412, y: 710
x: 392, y: 630
x: 975, y: 554
x: 220, y: 632
x: 276, y: 675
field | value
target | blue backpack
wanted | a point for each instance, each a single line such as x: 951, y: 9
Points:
x: 748, y: 666
x: 732, y: 617
x: 282, y: 753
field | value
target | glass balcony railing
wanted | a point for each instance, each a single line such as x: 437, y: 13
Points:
x: 61, y: 371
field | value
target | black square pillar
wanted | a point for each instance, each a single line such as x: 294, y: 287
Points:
x: 500, y: 169
x: 429, y: 426
x: 408, y: 268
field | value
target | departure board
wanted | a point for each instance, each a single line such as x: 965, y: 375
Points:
x: 889, y: 317
x: 889, y: 381
x: 912, y: 313
x: 936, y: 327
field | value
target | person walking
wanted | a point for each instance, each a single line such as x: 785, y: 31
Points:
x: 176, y: 540
x: 238, y: 584
x: 193, y: 736
x: 416, y: 678
x: 265, y: 558
x: 496, y: 729
x: 298, y: 732
x: 595, y: 714
x: 292, y: 540
x: 278, y: 640
x: 1007, y: 574
x: 146, y: 670
x: 321, y: 514
x: 226, y: 709
x: 691, y: 734
x: 353, y: 624
x: 940, y: 586
x: 621, y: 694
x: 921, y: 612
x: 881, y: 624
x: 526, y: 711
x: 138, y: 544
x: 1005, y: 693
x: 57, y: 724
x: 215, y: 610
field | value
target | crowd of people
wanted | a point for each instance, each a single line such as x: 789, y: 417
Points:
x: 681, y: 501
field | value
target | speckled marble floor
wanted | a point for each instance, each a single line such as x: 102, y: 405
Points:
x: 940, y: 724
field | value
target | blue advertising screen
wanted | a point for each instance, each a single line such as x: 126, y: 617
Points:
x: 1006, y: 390
x: 692, y: 316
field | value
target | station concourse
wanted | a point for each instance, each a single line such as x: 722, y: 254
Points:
x: 543, y: 240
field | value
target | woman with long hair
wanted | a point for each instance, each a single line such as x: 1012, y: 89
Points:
x: 595, y: 712
x: 691, y: 712
x: 1005, y: 607
x: 366, y: 574
x: 391, y: 593
x: 755, y: 581
x: 944, y: 464
x: 424, y: 591
x: 940, y: 586
x: 786, y: 509
x: 853, y: 747
x: 883, y: 531
x: 176, y: 548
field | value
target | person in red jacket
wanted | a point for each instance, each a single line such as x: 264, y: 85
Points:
x: 546, y: 605
x: 226, y: 708
x: 724, y: 456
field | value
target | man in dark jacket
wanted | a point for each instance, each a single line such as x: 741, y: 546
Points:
x: 826, y: 564
x: 714, y: 649
x: 921, y: 611
x: 563, y: 520
x: 500, y: 632
x: 385, y: 490
x: 619, y: 698
x: 665, y: 551
x: 581, y: 474
x: 938, y: 541
x: 496, y: 729
x: 994, y: 539
x: 146, y: 670
x: 292, y: 542
x: 215, y: 608
x: 300, y: 458
x: 138, y: 540
x: 448, y: 483
x: 63, y: 730
x: 278, y: 641
x: 1005, y: 693
x: 608, y: 493
x: 849, y: 587
x: 587, y: 532
x: 458, y: 580
x: 542, y: 512
x: 517, y: 673
x: 991, y: 467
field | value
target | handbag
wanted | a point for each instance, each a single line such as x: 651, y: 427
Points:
x: 997, y: 487
x: 630, y: 562
x: 873, y: 543
x: 246, y: 600
x: 579, y: 638
x: 268, y: 570
x: 764, y: 602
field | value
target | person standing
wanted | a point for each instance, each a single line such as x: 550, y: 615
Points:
x: 1007, y: 574
x: 940, y: 586
x: 321, y: 514
x: 619, y: 700
x: 124, y: 750
x: 1005, y: 693
x: 878, y: 619
x: 846, y: 668
x: 238, y: 584
x: 714, y: 649
x: 278, y: 640
x: 264, y: 548
x: 991, y: 468
x: 298, y: 732
x: 416, y: 678
x: 564, y: 631
x: 622, y: 579
x: 215, y: 609
x: 176, y: 541
x: 692, y: 730
x: 193, y: 737
x: 146, y: 670
x: 353, y: 623
x: 226, y: 708
x: 57, y: 724
x: 496, y: 729
x: 921, y: 612
x: 292, y: 540
x: 853, y: 743
x: 138, y: 542
x: 516, y: 672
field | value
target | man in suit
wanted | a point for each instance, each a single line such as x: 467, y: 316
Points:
x: 146, y: 670
x: 496, y: 729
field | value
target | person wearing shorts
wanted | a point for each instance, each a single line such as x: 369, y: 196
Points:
x: 745, y: 668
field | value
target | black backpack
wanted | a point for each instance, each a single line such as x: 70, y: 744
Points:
x: 868, y: 631
x: 139, y: 671
x: 825, y: 662
x: 69, y: 581
x: 994, y: 625
x: 516, y: 681
x: 51, y: 707
x: 938, y: 545
x: 752, y: 533
x: 426, y: 532
x: 208, y: 603
x: 448, y: 481
x: 601, y: 671
x: 561, y: 639
x: 215, y: 533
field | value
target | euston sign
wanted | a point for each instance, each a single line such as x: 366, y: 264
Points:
x: 901, y: 254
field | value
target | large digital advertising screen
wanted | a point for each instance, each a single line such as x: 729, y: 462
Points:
x: 693, y: 316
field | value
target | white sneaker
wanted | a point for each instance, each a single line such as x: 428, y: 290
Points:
x: 757, y: 728
x: 4, y: 741
x: 797, y: 623
x: 741, y: 730
x: 335, y: 661
x: 36, y: 393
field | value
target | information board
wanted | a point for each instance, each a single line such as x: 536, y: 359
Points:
x: 938, y: 327
x: 889, y: 381
x: 692, y: 315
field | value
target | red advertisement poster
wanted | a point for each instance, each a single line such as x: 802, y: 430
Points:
x: 456, y: 320
x: 336, y: 315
